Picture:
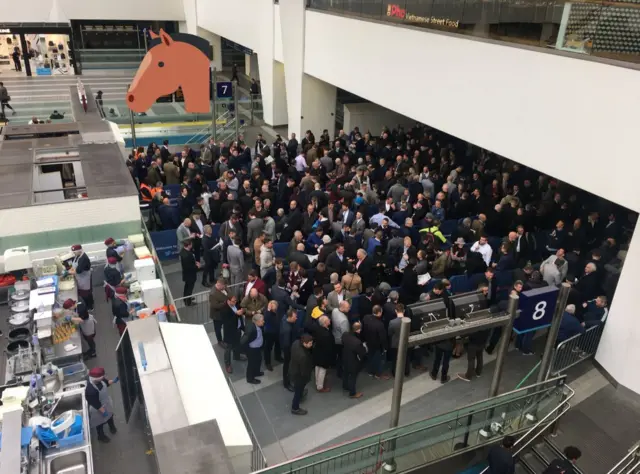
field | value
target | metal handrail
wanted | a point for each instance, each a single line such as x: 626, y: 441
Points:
x: 406, y: 433
x: 564, y: 403
x: 634, y: 451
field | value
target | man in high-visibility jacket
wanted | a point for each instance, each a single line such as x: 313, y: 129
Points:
x: 146, y: 192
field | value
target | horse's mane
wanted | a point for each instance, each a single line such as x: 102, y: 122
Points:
x: 202, y: 44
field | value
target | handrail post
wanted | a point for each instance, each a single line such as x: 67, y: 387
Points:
x: 398, y: 382
x: 561, y: 303
x: 236, y: 91
x: 213, y: 105
x: 503, y: 346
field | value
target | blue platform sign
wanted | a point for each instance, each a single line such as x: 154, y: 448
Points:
x: 224, y: 90
x: 536, y: 309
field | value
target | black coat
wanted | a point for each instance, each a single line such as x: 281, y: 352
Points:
x: 301, y: 364
x: 300, y: 258
x: 334, y: 265
x: 189, y: 267
x: 231, y: 334
x: 211, y: 257
x: 410, y: 290
x: 374, y: 333
x: 367, y: 275
x: 353, y: 352
x: 323, y: 345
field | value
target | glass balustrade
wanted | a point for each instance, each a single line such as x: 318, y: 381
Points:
x: 110, y: 58
x: 432, y: 440
x: 598, y: 28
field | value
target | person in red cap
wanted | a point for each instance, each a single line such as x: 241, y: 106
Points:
x: 112, y: 277
x: 86, y: 322
x: 112, y: 251
x: 100, y: 403
x: 120, y: 309
x: 81, y: 268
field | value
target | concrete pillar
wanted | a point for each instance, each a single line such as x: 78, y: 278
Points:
x: 216, y: 44
x: 191, y: 18
x: 247, y: 64
x: 318, y: 106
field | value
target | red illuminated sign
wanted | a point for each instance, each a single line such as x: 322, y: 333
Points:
x: 396, y: 12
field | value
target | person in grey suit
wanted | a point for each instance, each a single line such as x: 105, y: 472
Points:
x: 270, y: 228
x: 183, y: 232
x: 359, y: 224
x: 235, y: 257
x: 337, y: 296
x: 254, y: 228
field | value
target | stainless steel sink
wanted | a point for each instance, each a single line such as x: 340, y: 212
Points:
x: 70, y: 463
x: 68, y: 402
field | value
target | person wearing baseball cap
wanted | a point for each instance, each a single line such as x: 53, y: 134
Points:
x: 100, y: 403
x: 86, y: 322
x: 112, y: 249
x: 81, y: 269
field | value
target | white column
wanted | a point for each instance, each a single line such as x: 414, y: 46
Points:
x: 216, y: 44
x: 619, y: 351
x: 292, y: 24
x: 190, y: 16
x: 247, y: 64
x: 318, y: 106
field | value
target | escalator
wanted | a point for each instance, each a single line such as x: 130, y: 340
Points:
x: 537, y: 457
x: 448, y: 443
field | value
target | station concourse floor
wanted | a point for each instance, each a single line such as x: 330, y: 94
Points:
x: 334, y: 418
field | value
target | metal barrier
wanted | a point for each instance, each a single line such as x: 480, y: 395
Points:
x: 575, y: 349
x: 429, y: 441
x: 194, y: 309
x: 258, y: 460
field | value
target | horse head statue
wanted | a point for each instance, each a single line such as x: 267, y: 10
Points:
x: 169, y: 64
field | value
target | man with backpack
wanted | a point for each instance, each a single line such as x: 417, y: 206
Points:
x: 564, y: 465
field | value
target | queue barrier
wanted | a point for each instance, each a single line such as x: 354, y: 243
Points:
x: 166, y: 242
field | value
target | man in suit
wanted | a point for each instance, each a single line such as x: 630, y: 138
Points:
x: 359, y: 225
x: 253, y: 281
x: 337, y: 296
x: 293, y: 245
x: 280, y: 295
x: 252, y: 341
x: 189, y: 270
x: 211, y: 254
x: 364, y: 268
x: 183, y: 232
x: 300, y: 257
x: 254, y: 228
x: 337, y: 261
x: 291, y: 222
x: 235, y: 259
x: 165, y: 154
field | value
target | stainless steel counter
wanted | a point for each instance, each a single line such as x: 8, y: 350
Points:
x: 59, y: 356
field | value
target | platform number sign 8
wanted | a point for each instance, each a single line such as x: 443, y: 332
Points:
x: 536, y: 309
x: 540, y: 310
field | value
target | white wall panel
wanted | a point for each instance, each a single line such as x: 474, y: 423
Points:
x: 619, y: 351
x: 63, y: 10
x: 64, y: 215
x: 292, y: 29
x: 368, y: 116
x: 563, y: 116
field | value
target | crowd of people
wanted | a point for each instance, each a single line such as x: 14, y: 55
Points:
x: 360, y: 215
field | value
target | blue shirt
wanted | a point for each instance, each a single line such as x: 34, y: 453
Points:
x: 372, y: 244
x: 257, y: 342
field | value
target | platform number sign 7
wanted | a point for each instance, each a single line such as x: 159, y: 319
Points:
x: 536, y: 309
x: 224, y: 90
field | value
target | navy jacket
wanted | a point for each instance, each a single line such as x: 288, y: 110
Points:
x: 288, y: 333
x: 569, y: 327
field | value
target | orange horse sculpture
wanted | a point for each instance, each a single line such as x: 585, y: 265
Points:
x: 169, y: 64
